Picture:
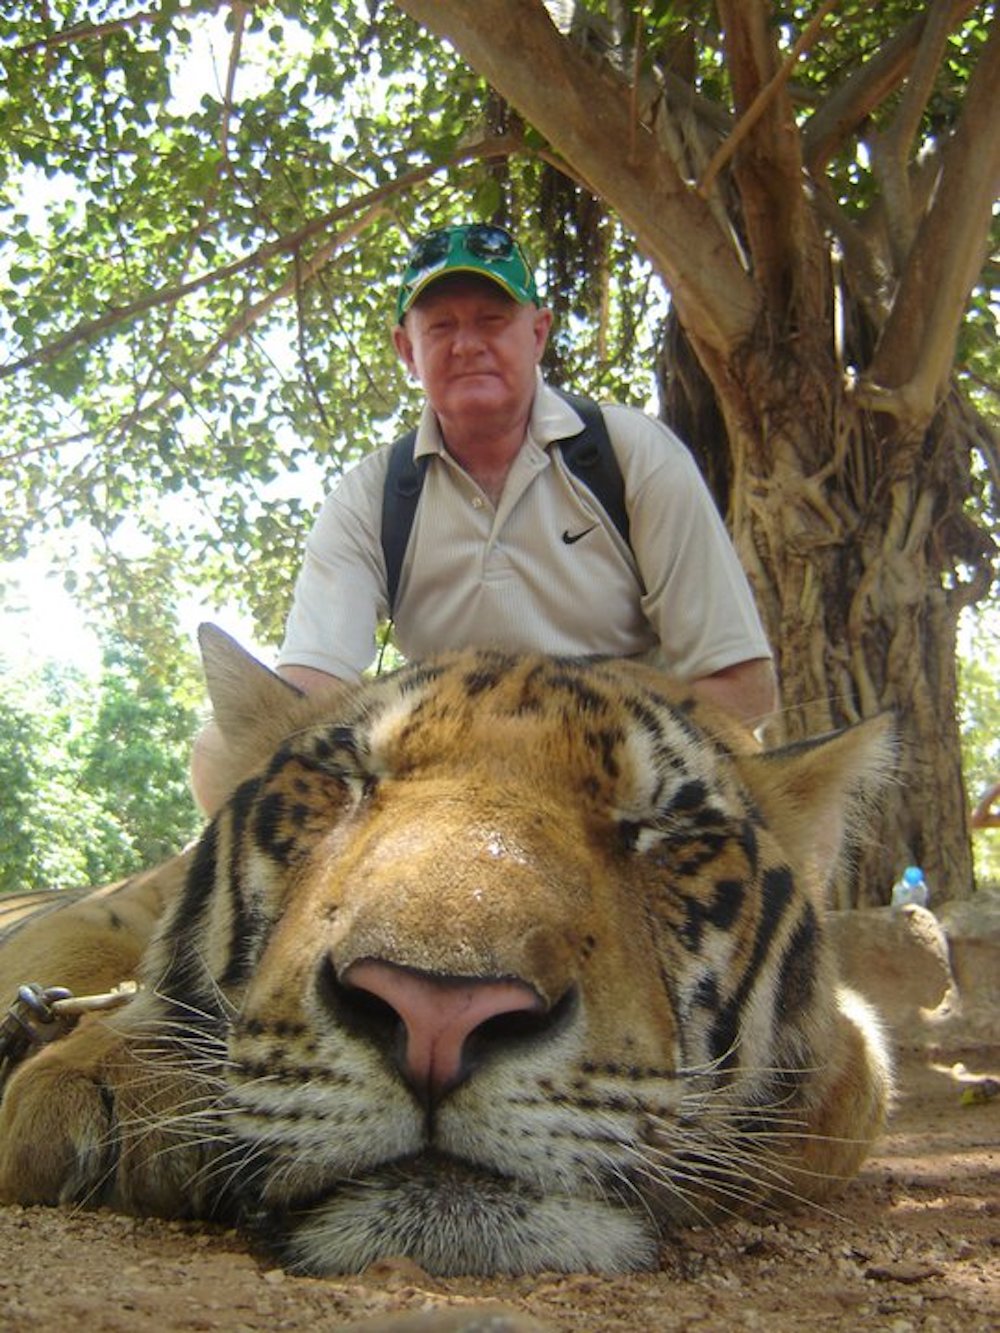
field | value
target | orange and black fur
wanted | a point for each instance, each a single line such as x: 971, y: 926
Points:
x: 506, y: 963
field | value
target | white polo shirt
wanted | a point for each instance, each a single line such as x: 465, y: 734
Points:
x: 545, y: 569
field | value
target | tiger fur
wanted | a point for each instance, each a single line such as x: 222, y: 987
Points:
x: 504, y: 963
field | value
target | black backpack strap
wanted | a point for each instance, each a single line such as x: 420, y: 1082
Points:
x: 403, y: 483
x: 591, y: 459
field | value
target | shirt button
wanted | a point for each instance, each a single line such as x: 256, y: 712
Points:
x: 478, y: 502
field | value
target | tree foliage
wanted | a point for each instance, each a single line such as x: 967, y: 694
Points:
x: 979, y: 719
x: 197, y: 295
x: 93, y: 773
x: 200, y: 278
x: 196, y: 320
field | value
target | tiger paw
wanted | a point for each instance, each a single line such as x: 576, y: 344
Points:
x: 56, y: 1143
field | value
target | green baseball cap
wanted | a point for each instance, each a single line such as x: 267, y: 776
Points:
x: 469, y: 247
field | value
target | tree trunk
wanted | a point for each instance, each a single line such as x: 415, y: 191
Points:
x: 849, y: 566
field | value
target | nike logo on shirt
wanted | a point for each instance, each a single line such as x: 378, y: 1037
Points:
x: 569, y: 538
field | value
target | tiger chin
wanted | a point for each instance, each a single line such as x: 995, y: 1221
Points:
x: 501, y: 962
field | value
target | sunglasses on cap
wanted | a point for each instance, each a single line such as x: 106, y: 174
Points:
x: 476, y: 247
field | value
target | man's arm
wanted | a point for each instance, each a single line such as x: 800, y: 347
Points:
x: 747, y: 690
x: 310, y: 680
x: 208, y: 754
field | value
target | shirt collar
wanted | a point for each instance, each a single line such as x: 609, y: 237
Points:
x: 551, y: 419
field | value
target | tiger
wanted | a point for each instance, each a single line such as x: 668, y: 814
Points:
x: 500, y: 962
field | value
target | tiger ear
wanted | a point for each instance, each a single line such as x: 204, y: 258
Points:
x: 242, y: 690
x: 815, y: 795
x: 254, y: 709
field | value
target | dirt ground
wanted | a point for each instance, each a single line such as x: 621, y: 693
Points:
x: 914, y: 1244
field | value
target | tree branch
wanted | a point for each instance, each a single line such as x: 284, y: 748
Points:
x: 584, y: 108
x: 842, y: 114
x: 764, y: 98
x: 912, y: 364
x: 89, y: 330
x: 768, y: 169
x: 302, y: 273
x: 89, y: 32
x: 240, y: 9
x: 315, y: 397
x: 892, y: 151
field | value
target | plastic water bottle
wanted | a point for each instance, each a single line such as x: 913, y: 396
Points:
x: 911, y: 887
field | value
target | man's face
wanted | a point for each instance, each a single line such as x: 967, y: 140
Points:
x: 474, y: 350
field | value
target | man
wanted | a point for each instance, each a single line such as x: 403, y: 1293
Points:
x: 508, y: 547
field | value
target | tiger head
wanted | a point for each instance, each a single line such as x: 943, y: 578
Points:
x: 517, y: 962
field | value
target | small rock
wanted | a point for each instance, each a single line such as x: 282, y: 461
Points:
x: 901, y: 1272
x: 972, y: 926
x: 898, y: 960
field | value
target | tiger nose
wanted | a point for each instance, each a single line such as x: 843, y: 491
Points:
x: 439, y: 1015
